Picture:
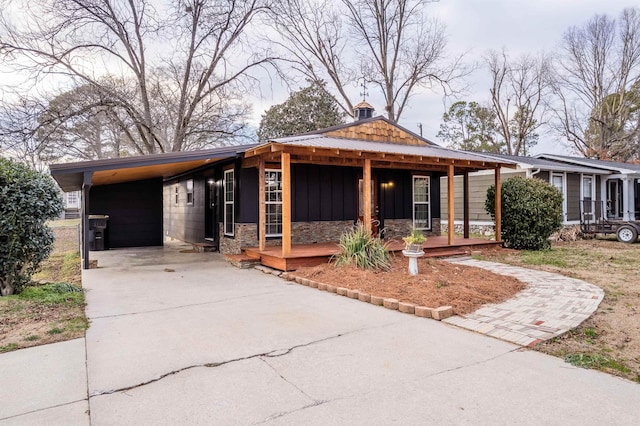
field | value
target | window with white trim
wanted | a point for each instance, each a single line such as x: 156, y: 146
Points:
x: 421, y: 202
x: 273, y: 202
x: 72, y: 200
x: 557, y: 180
x: 229, y: 206
x: 588, y: 192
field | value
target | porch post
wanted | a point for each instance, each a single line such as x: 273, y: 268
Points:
x: 466, y: 203
x: 450, y: 205
x: 286, y: 203
x: 84, y: 214
x: 627, y: 197
x: 366, y: 194
x: 262, y: 207
x: 498, y: 205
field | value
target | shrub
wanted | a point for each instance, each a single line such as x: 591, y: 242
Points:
x: 531, y: 212
x: 27, y: 200
x: 360, y: 248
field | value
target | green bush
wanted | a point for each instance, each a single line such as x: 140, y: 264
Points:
x: 360, y: 248
x: 27, y: 200
x: 531, y: 212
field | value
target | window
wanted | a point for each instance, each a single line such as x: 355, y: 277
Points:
x: 273, y: 201
x: 229, y: 186
x: 588, y: 189
x: 557, y: 180
x: 190, y: 192
x: 72, y: 200
x: 421, y: 205
x: 587, y: 195
x: 177, y: 194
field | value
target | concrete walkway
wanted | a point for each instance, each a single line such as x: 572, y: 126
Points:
x: 44, y: 385
x: 551, y: 305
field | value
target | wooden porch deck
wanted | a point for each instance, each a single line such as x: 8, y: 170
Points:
x: 314, y: 254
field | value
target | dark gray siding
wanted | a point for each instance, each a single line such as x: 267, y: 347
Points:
x: 134, y: 209
x: 185, y: 222
x: 573, y: 196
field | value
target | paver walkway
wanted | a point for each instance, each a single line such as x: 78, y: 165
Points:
x: 551, y: 305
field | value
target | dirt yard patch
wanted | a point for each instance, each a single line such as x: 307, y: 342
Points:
x: 47, y: 313
x: 610, y: 339
x: 438, y: 283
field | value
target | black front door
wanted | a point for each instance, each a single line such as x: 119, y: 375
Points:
x: 211, y: 203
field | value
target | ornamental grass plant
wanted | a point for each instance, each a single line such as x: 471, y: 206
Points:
x: 360, y: 248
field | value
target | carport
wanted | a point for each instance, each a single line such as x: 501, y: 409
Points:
x: 130, y: 191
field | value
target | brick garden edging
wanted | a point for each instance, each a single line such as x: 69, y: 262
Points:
x: 439, y: 313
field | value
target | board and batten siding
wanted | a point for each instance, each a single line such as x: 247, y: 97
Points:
x: 478, y: 185
x: 134, y: 210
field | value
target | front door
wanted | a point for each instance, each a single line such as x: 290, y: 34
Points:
x: 210, y: 219
x: 375, y: 220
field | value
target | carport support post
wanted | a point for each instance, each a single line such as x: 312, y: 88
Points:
x: 286, y: 204
x: 450, y: 204
x: 262, y: 207
x: 86, y: 187
x: 498, y: 205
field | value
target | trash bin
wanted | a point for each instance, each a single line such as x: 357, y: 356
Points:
x: 98, y: 232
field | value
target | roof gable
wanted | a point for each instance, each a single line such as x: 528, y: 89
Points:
x: 376, y: 129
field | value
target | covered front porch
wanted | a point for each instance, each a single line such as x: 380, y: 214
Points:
x: 304, y: 255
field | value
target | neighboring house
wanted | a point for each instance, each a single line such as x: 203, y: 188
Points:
x: 576, y: 182
x: 296, y: 190
x: 71, y: 202
x: 620, y: 186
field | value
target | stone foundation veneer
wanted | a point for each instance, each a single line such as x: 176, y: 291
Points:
x: 395, y: 229
x: 486, y: 230
x: 246, y: 234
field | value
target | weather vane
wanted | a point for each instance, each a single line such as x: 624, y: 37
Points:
x: 364, y: 92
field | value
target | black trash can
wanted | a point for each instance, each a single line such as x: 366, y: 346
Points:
x: 98, y: 232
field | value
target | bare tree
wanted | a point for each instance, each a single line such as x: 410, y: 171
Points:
x: 596, y: 85
x: 196, y: 53
x: 317, y: 45
x: 392, y: 43
x: 518, y: 94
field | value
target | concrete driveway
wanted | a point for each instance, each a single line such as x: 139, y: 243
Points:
x: 184, y: 338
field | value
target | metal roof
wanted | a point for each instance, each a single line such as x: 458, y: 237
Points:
x: 434, y: 151
x: 545, y: 164
x: 616, y: 166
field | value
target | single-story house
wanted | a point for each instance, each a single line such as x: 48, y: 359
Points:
x: 304, y: 189
x: 620, y: 186
x: 577, y: 182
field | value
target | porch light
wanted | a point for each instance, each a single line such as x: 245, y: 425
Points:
x: 211, y: 181
x: 387, y: 184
